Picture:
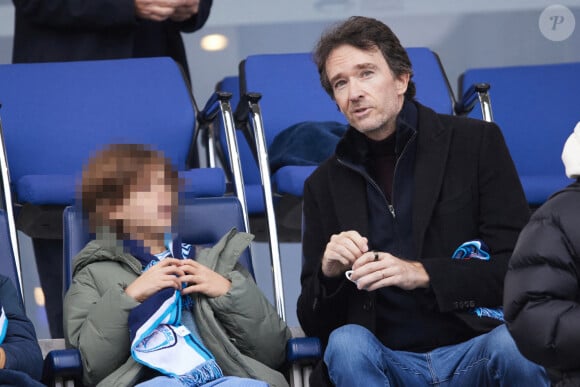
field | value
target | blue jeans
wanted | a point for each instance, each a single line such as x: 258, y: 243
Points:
x: 355, y: 357
x: 226, y: 381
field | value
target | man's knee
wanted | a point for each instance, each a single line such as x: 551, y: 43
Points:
x: 353, y: 352
x: 500, y: 342
x: 349, y: 340
x: 509, y: 363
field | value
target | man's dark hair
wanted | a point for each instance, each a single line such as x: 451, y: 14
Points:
x: 366, y: 34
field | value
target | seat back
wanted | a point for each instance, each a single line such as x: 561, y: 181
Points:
x: 290, y: 89
x: 7, y: 261
x: 433, y: 89
x: 535, y: 120
x: 55, y: 115
x: 202, y: 221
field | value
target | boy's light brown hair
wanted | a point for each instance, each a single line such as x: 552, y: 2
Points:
x: 113, y: 173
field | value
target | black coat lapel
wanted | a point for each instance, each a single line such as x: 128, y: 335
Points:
x: 430, y: 163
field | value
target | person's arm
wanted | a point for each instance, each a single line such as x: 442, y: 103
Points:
x: 251, y: 320
x: 96, y: 324
x: 322, y: 301
x: 242, y: 309
x: 20, y: 350
x: 97, y: 307
x: 541, y: 287
x: 494, y: 209
x: 198, y: 19
x: 79, y: 14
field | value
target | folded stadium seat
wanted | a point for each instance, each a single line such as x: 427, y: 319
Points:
x: 534, y: 122
x: 56, y: 115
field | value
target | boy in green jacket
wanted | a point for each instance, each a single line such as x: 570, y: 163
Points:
x: 217, y: 327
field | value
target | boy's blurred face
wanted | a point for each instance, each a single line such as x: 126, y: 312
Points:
x: 149, y: 207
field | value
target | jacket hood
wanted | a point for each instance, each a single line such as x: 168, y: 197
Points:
x: 575, y: 186
x: 105, y: 249
x: 571, y: 153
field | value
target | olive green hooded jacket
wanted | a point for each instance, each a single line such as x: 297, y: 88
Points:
x: 240, y: 328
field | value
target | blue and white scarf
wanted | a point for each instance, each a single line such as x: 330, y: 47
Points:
x: 3, y: 324
x: 160, y: 341
x: 477, y: 249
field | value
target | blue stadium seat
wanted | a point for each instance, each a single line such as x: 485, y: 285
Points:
x: 55, y: 115
x: 219, y: 215
x: 536, y: 108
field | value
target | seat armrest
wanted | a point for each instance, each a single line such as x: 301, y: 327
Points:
x: 62, y: 364
x: 470, y: 98
x: 303, y: 350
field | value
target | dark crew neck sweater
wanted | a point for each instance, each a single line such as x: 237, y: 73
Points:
x: 382, y: 162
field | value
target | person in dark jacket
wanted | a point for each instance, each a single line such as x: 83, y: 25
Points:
x: 405, y: 188
x: 542, y: 292
x: 60, y: 30
x: 20, y: 356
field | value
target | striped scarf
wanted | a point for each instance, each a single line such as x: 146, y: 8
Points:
x: 160, y: 341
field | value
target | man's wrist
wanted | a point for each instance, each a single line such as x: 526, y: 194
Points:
x: 423, y: 281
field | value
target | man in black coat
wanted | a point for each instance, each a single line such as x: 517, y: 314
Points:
x: 405, y: 188
x: 62, y: 30
x: 542, y: 295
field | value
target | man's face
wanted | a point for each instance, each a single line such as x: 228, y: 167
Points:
x: 365, y: 89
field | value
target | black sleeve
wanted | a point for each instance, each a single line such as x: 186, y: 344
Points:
x: 197, y: 21
x: 20, y: 344
x: 495, y: 211
x: 78, y: 14
x: 322, y: 302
